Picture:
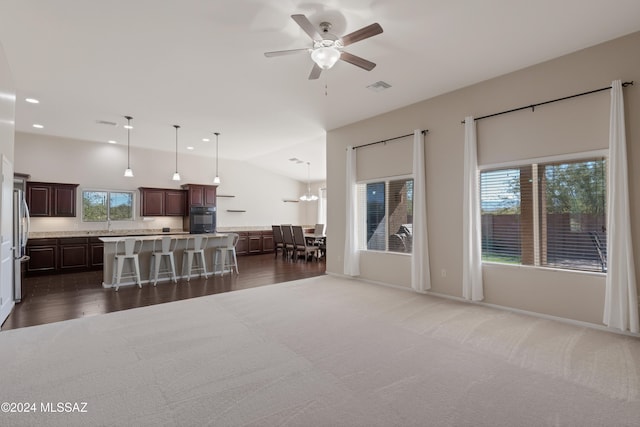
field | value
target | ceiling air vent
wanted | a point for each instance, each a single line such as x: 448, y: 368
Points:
x: 379, y: 86
x: 106, y: 122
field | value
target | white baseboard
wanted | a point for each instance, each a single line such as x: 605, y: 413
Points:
x: 499, y: 307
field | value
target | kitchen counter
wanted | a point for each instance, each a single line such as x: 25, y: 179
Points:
x: 215, y: 240
x: 100, y: 233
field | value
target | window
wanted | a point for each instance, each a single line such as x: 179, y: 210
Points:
x: 107, y: 205
x: 386, y: 215
x: 546, y: 214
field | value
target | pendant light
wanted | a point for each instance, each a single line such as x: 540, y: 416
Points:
x: 176, y: 175
x: 308, y: 197
x: 216, y: 180
x: 128, y: 172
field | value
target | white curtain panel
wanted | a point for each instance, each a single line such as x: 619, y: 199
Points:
x: 351, y: 253
x: 472, y: 288
x: 621, y: 298
x: 322, y: 206
x: 420, y: 272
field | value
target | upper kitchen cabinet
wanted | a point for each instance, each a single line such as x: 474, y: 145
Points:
x: 51, y: 199
x: 162, y: 202
x: 200, y: 195
x: 175, y: 202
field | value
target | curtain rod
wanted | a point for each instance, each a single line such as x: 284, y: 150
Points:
x: 387, y: 140
x: 533, y: 106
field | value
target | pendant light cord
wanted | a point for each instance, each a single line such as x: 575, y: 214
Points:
x: 177, y: 127
x: 309, y: 178
x: 128, y: 141
x: 217, y: 134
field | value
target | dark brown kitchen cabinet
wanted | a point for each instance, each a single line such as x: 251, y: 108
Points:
x: 39, y: 199
x: 175, y: 202
x: 201, y: 195
x: 242, y: 247
x: 162, y: 202
x: 73, y: 254
x: 151, y: 201
x: 96, y: 253
x: 267, y: 241
x: 51, y: 199
x: 64, y: 200
x: 65, y: 254
x: 255, y: 242
x: 43, y: 255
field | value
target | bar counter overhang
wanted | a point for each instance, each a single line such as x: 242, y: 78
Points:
x: 214, y: 241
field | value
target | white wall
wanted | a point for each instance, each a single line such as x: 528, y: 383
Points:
x: 101, y: 166
x: 582, y: 124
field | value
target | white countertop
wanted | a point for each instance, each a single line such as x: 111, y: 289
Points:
x: 182, y: 236
x: 135, y: 232
x: 100, y: 233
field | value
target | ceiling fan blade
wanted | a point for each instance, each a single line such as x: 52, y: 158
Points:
x: 315, y: 72
x: 307, y: 26
x: 361, y: 34
x: 357, y: 61
x: 286, y: 52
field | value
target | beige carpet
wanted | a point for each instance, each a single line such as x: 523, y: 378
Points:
x: 320, y: 352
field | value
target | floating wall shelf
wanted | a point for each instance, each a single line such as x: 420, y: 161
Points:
x: 290, y: 200
x: 224, y: 195
x: 236, y: 210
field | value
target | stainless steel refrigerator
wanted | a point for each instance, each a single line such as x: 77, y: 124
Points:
x: 21, y: 223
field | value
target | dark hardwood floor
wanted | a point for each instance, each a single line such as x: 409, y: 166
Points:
x: 69, y: 296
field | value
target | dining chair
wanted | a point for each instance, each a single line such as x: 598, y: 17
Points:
x: 300, y: 244
x: 278, y: 243
x: 287, y: 238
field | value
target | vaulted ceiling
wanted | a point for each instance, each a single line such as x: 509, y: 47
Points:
x: 201, y: 64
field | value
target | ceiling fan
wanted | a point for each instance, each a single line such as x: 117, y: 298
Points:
x: 327, y: 48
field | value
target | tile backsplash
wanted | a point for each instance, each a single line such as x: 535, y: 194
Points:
x: 75, y: 224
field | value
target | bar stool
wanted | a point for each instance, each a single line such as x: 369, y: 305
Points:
x: 163, y: 248
x: 226, y: 255
x: 194, y: 251
x: 127, y: 249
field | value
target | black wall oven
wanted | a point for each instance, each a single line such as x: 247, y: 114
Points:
x: 202, y: 219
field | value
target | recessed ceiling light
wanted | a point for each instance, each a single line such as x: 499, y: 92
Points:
x: 32, y: 101
x: 189, y: 148
x: 206, y: 139
x: 37, y: 126
x: 111, y: 141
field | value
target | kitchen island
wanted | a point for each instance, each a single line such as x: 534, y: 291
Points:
x: 214, y: 240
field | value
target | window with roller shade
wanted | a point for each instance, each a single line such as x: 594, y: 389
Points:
x: 546, y: 214
x: 386, y: 215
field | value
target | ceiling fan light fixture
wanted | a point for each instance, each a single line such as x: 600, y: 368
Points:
x: 326, y: 57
